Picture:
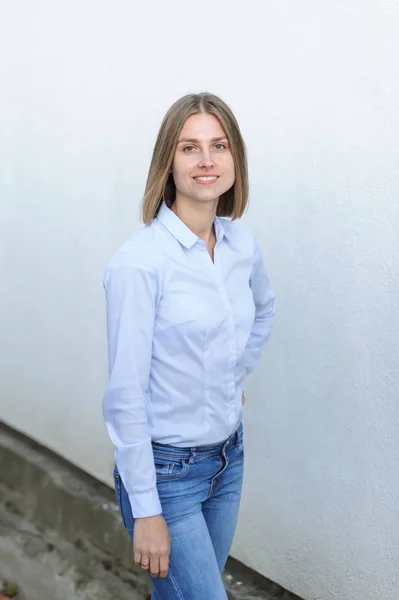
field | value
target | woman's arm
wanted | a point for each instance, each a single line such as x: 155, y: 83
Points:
x: 264, y: 300
x: 131, y: 297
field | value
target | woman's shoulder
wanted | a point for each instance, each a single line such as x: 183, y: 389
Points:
x: 238, y: 234
x: 141, y: 252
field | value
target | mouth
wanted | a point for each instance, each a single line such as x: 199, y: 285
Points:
x: 206, y: 178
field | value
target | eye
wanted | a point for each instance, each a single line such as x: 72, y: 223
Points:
x: 188, y: 148
x: 220, y: 146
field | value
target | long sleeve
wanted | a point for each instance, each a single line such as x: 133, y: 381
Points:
x: 264, y: 300
x: 131, y: 297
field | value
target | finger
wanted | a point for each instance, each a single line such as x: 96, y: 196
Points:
x: 163, y: 566
x: 145, y: 562
x: 154, y: 566
x: 137, y: 557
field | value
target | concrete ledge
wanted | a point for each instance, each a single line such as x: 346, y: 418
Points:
x: 47, y: 490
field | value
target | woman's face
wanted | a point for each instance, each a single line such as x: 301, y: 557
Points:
x: 203, y: 167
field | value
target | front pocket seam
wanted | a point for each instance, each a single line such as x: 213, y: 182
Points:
x: 173, y: 475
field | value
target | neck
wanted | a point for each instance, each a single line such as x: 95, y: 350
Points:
x: 198, y: 216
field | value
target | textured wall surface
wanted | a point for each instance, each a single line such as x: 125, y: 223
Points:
x: 315, y: 87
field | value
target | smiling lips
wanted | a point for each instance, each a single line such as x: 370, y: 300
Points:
x: 206, y: 178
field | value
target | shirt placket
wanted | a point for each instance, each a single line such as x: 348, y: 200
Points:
x: 218, y: 275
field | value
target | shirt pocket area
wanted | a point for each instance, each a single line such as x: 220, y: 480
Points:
x: 178, y: 336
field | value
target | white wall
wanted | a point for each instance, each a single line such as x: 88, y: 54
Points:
x: 315, y: 86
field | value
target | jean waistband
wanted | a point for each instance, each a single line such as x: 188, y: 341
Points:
x: 210, y: 449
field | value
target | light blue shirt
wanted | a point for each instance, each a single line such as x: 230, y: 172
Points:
x: 183, y: 333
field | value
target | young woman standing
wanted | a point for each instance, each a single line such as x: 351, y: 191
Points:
x: 189, y: 309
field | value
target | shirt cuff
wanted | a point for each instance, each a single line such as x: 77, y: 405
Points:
x: 145, y: 504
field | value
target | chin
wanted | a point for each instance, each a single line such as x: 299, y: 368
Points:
x: 208, y: 199
x: 210, y: 195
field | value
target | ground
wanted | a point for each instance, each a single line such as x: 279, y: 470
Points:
x: 61, y: 535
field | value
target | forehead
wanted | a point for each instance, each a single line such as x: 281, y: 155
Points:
x: 202, y: 126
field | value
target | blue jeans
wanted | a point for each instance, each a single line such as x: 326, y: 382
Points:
x: 200, y: 490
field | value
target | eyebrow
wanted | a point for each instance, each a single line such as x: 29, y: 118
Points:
x: 196, y: 141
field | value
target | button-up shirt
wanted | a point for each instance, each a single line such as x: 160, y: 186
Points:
x: 183, y: 333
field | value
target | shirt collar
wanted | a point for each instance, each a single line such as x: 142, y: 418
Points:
x: 180, y: 231
x: 219, y: 230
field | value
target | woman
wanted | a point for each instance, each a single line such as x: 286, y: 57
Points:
x: 189, y: 309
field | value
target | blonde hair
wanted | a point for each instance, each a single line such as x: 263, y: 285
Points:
x: 160, y: 184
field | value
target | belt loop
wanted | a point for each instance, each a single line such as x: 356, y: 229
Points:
x: 236, y: 437
x: 193, y: 455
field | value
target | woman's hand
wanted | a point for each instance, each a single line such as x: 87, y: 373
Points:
x: 243, y: 399
x: 152, y: 545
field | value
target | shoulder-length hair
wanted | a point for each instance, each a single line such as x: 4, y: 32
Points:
x: 160, y: 184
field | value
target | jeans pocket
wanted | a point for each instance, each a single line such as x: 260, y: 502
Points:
x: 170, y: 468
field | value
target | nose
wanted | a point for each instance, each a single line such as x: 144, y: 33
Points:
x: 206, y: 161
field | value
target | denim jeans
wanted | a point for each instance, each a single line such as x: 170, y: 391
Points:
x: 200, y: 491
